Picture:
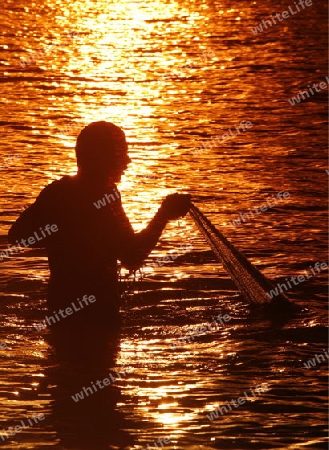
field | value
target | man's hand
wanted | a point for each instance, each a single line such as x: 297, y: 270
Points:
x: 176, y: 205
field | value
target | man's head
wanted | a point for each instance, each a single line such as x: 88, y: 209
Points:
x: 101, y: 151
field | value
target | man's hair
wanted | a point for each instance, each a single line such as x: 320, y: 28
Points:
x: 99, y: 142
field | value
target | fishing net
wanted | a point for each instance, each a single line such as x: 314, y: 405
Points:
x: 252, y: 284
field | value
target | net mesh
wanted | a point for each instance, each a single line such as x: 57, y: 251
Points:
x: 252, y: 284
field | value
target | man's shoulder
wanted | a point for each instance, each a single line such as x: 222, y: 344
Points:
x: 62, y: 185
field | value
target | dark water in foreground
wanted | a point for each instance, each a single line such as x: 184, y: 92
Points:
x: 174, y: 75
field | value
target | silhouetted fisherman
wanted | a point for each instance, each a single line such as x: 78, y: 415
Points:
x: 93, y: 229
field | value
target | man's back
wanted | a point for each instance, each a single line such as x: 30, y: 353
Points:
x: 83, y: 252
x: 89, y: 239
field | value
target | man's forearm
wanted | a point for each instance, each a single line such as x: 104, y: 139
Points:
x: 145, y: 241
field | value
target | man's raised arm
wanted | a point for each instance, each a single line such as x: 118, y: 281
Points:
x: 135, y: 247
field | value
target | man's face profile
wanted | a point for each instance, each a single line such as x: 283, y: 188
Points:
x: 102, y: 152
